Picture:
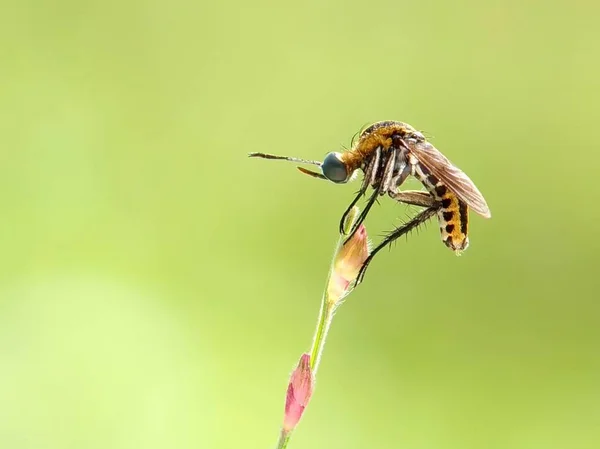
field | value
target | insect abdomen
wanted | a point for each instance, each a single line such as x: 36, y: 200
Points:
x: 453, y: 216
x: 454, y: 223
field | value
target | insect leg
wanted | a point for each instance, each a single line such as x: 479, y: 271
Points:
x: 415, y: 198
x: 370, y: 173
x: 389, y: 166
x: 388, y: 172
x: 399, y: 179
x: 363, y: 214
x: 361, y: 192
x: 373, y: 168
x: 398, y: 232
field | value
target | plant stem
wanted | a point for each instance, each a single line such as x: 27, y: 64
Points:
x: 323, y: 324
x: 284, y: 438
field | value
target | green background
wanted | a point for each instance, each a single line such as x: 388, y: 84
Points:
x: 157, y: 286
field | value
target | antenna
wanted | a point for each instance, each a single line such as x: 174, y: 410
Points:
x: 284, y: 158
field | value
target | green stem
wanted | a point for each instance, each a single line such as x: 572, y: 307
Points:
x: 284, y: 439
x: 323, y: 324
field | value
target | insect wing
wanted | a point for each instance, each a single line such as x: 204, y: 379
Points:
x: 454, y: 178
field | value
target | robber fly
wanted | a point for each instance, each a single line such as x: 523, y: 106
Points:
x: 387, y: 153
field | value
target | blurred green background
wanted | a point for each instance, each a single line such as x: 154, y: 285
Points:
x: 157, y: 287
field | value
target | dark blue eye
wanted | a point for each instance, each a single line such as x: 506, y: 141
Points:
x: 334, y: 169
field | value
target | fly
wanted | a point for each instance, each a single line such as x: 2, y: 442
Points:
x: 387, y: 153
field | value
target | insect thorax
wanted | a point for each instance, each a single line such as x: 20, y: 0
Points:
x: 382, y: 135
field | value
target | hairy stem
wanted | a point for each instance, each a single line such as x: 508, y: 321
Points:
x: 323, y: 324
x: 284, y: 439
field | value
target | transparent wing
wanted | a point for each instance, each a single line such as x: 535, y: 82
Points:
x: 454, y: 178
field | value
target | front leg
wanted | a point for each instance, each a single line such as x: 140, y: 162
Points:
x: 371, y: 171
x: 415, y: 198
x: 388, y: 167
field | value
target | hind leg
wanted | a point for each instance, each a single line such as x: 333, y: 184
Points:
x: 415, y: 198
x: 414, y: 223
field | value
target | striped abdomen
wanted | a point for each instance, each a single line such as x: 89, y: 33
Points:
x: 454, y: 213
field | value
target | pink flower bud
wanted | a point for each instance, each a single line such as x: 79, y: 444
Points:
x: 347, y: 264
x: 298, y: 393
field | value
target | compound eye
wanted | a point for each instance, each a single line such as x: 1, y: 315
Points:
x: 334, y: 169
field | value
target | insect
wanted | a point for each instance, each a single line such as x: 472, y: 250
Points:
x: 387, y: 152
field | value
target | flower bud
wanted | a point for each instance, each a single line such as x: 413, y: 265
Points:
x: 298, y: 393
x: 347, y: 264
